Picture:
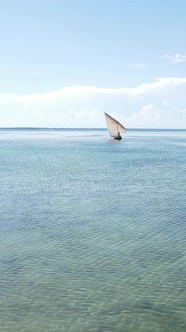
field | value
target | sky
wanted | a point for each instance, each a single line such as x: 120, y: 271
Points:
x: 63, y: 63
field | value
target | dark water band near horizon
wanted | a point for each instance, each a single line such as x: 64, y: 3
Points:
x: 92, y: 230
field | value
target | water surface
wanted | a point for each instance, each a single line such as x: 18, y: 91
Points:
x: 92, y: 231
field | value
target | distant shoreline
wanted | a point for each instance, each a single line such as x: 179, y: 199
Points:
x: 83, y: 129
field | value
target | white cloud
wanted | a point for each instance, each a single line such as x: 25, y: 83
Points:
x: 154, y: 104
x: 165, y: 103
x: 176, y: 58
x: 53, y: 96
x: 155, y: 87
x: 148, y: 116
x: 182, y: 111
x: 138, y: 65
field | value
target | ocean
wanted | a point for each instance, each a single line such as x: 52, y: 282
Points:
x: 93, y: 231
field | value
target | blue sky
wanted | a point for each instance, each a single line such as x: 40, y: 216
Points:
x: 64, y: 62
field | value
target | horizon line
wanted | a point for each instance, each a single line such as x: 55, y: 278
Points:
x: 83, y: 128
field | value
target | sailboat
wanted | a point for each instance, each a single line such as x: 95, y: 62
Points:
x: 114, y: 127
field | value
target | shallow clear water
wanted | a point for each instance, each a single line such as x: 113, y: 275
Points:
x: 92, y: 231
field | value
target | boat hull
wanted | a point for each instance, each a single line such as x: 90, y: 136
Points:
x: 118, y: 138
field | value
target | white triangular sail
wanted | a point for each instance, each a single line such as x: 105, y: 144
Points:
x: 114, y: 126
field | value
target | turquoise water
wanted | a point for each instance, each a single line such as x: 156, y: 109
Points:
x: 92, y: 231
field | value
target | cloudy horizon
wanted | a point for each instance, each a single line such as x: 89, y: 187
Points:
x: 149, y: 105
x: 65, y: 63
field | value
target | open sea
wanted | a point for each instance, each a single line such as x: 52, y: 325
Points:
x: 92, y: 231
